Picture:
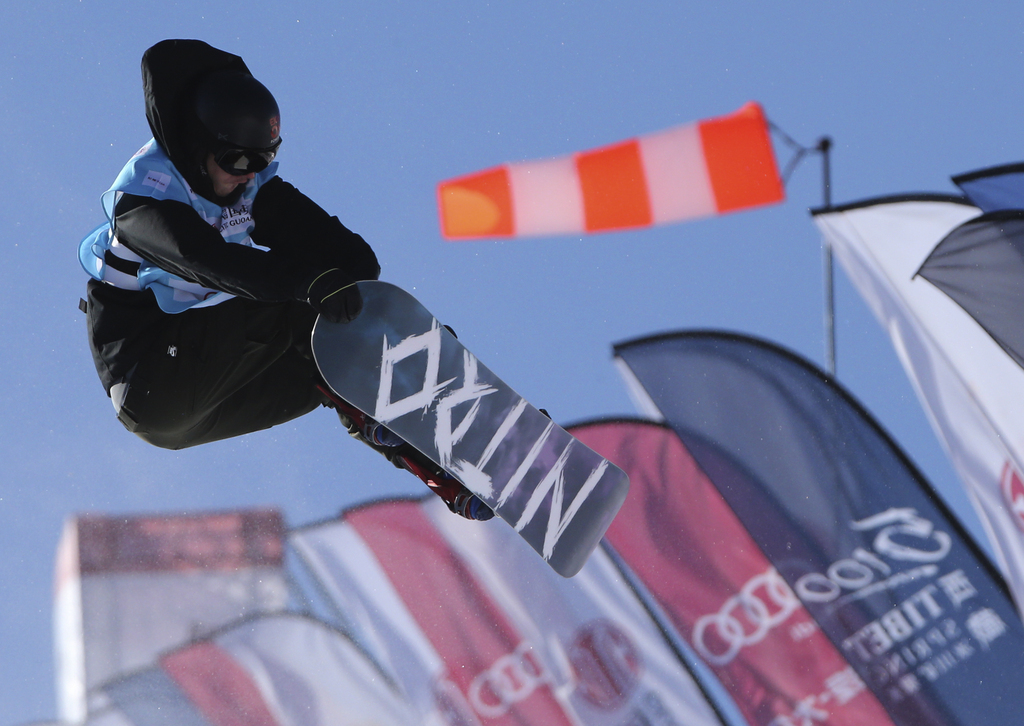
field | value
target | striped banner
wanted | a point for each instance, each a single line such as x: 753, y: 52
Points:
x: 479, y: 632
x: 280, y: 670
x: 700, y: 169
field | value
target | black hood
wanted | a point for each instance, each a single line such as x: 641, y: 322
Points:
x: 171, y: 70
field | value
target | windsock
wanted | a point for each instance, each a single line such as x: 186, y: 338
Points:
x: 699, y: 169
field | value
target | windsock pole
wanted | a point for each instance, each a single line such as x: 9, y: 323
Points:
x: 824, y: 147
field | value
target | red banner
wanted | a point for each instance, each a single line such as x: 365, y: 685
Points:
x: 722, y: 595
x: 465, y: 626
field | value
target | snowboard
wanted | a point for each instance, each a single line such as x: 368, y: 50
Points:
x: 398, y: 364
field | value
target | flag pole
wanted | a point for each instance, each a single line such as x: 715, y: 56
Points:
x: 824, y: 147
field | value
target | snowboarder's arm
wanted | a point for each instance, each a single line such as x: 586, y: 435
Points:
x: 172, y: 236
x: 289, y: 222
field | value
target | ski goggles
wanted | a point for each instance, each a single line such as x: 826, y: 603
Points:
x: 239, y: 162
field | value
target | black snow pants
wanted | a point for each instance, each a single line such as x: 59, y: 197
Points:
x: 222, y: 371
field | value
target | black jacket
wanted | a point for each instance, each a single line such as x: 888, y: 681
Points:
x: 304, y: 240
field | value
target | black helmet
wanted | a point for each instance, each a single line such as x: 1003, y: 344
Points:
x: 242, y: 119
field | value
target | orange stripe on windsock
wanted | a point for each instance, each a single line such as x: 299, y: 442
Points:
x: 614, y: 187
x: 699, y: 169
x: 477, y: 205
x: 740, y: 161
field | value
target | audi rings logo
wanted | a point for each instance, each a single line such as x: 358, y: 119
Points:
x: 509, y: 680
x: 763, y: 603
x: 606, y: 662
x: 1013, y: 492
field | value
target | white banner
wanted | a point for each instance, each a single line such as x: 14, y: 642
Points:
x: 971, y: 389
x: 128, y: 588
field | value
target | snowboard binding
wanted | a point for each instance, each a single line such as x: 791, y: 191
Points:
x: 452, y: 492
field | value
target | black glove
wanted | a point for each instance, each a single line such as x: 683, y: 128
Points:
x: 335, y: 296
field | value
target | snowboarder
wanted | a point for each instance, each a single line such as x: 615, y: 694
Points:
x: 211, y: 271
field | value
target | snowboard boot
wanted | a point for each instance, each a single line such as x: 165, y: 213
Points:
x: 381, y: 435
x: 360, y: 426
x: 459, y: 499
x: 394, y: 448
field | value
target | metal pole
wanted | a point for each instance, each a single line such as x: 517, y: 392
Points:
x: 824, y: 146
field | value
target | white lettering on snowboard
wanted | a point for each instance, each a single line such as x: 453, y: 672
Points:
x: 435, y: 396
x: 445, y: 437
x: 430, y: 342
x: 557, y: 519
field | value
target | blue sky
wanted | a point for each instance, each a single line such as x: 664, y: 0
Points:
x: 382, y: 100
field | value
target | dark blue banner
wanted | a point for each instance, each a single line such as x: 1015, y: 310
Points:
x: 883, y: 567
